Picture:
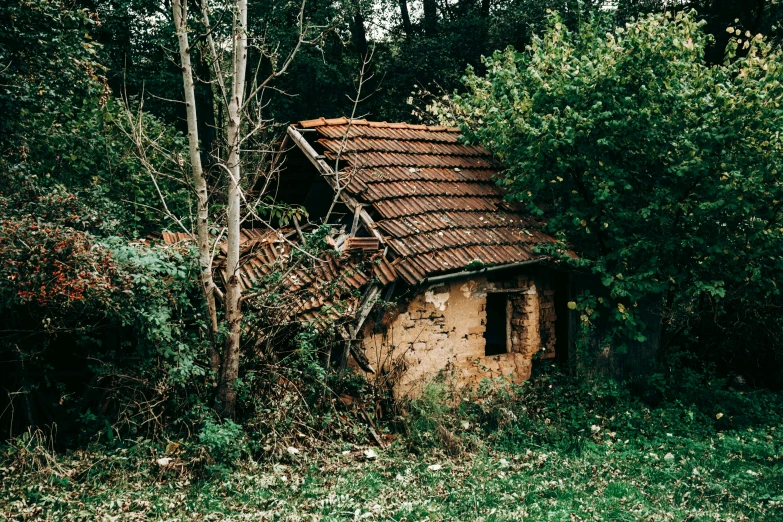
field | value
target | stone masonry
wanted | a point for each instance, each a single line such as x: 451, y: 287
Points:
x: 441, y: 329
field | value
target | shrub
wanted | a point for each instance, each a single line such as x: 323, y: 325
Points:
x: 660, y: 171
x: 224, y: 441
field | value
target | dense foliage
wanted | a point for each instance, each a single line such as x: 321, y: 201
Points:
x: 660, y: 171
x: 668, y: 188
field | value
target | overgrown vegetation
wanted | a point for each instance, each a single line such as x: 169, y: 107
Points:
x: 659, y: 170
x: 553, y: 448
x: 653, y: 153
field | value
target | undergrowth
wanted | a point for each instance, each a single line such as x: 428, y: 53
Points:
x: 553, y: 448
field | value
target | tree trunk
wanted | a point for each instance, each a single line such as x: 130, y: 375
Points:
x: 199, y: 182
x: 406, y: 18
x: 430, y: 17
x: 205, y: 100
x: 229, y: 370
x: 360, y: 35
x: 485, y: 4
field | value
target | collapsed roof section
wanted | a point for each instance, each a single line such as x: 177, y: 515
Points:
x: 418, y: 190
x: 326, y: 288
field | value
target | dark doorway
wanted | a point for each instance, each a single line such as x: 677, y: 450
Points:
x: 496, y: 332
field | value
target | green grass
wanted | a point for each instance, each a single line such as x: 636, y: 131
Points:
x: 604, y: 456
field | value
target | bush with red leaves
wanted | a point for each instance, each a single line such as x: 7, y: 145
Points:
x: 51, y: 266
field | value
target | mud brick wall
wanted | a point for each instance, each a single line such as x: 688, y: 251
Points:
x: 442, y: 329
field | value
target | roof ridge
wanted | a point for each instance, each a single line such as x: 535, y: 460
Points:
x: 323, y: 122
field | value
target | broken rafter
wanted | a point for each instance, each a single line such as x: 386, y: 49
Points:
x: 351, y: 348
x: 329, y: 175
x: 299, y: 231
x: 357, y: 214
x: 368, y: 302
x: 349, y: 334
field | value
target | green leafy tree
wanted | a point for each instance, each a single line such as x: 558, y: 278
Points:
x: 62, y: 126
x: 660, y: 171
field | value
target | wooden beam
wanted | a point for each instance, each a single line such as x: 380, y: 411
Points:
x: 347, y: 339
x: 351, y: 348
x: 299, y: 231
x: 329, y: 175
x: 366, y: 307
x: 349, y: 334
x: 355, y: 225
x: 361, y: 359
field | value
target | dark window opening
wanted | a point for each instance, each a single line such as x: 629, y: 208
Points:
x: 496, y: 332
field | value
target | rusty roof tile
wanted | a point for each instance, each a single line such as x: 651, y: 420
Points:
x: 337, y: 121
x: 360, y: 144
x: 376, y: 131
x: 400, y: 173
x: 306, y: 290
x: 423, y: 223
x: 308, y: 124
x: 413, y: 205
x: 384, y: 271
x: 379, y: 191
x: 171, y: 238
x: 417, y: 160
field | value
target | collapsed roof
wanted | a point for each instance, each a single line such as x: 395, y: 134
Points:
x: 325, y: 288
x: 431, y: 199
x: 427, y: 204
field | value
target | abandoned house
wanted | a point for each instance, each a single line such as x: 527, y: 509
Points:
x: 473, y: 297
x: 417, y: 220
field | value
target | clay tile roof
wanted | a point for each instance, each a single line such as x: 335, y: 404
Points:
x: 434, y: 198
x: 337, y: 121
x: 325, y: 290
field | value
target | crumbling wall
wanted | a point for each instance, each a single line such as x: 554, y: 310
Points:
x: 441, y: 328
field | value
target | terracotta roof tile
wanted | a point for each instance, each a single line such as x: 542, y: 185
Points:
x: 434, y: 198
x: 324, y: 290
x: 415, y: 160
x: 360, y: 144
x: 337, y: 121
x: 308, y: 124
x: 400, y: 173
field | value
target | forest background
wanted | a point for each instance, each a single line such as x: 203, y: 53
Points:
x: 107, y: 339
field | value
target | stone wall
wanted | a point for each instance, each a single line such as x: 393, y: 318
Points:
x: 441, y: 328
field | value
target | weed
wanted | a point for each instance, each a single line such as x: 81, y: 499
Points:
x: 224, y: 441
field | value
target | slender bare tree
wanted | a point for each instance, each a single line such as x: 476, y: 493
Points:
x: 199, y: 181
x: 244, y: 122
